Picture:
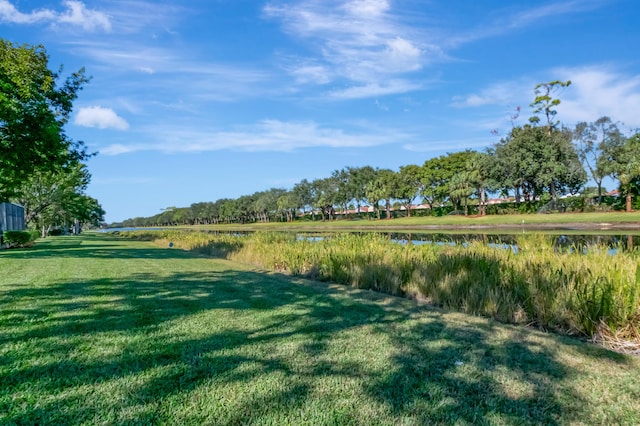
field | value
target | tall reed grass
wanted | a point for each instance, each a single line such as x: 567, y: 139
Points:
x: 589, y: 292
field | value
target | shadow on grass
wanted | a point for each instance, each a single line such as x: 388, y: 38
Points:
x: 91, y: 247
x: 64, y: 338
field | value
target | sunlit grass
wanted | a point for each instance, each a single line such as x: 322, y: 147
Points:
x: 571, y: 292
x: 97, y: 330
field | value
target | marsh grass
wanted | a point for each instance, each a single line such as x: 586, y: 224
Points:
x: 579, y: 292
x: 96, y: 330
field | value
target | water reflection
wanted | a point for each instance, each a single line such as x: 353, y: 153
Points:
x: 561, y: 242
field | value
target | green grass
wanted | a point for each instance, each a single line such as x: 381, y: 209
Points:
x: 599, y: 220
x: 595, y: 294
x: 97, y: 330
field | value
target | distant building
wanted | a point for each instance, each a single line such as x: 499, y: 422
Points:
x: 11, y: 217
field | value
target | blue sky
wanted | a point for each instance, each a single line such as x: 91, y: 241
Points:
x: 206, y: 99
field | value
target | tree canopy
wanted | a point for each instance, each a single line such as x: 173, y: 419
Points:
x: 34, y: 108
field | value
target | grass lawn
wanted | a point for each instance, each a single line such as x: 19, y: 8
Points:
x: 98, y: 330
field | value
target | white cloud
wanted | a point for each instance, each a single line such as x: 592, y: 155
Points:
x: 502, y: 93
x: 598, y: 91
x: 367, y: 42
x: 117, y: 149
x: 76, y: 14
x: 450, y: 144
x: 9, y: 13
x: 367, y: 8
x: 145, y: 16
x: 309, y: 72
x: 359, y: 41
x: 267, y: 135
x: 102, y: 118
x: 375, y: 89
x: 146, y: 70
x: 525, y: 17
x: 175, y: 71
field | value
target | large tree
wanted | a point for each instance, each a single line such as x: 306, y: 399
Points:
x: 34, y: 108
x: 545, y: 103
x: 325, y: 195
x: 478, y: 174
x: 57, y: 197
x: 303, y: 195
x: 409, y: 185
x: 383, y: 187
x: 437, y: 174
x: 594, y: 143
x: 360, y: 178
x: 531, y: 162
x: 625, y: 166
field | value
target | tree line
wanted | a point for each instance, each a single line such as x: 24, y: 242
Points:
x: 540, y: 160
x: 41, y: 168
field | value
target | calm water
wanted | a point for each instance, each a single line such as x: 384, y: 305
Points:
x: 562, y: 242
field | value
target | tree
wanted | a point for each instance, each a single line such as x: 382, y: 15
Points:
x: 85, y: 210
x: 461, y: 188
x: 33, y: 112
x: 594, y: 143
x: 287, y: 205
x: 228, y: 210
x: 409, y: 185
x: 432, y: 181
x: 530, y: 162
x: 360, y: 179
x: 383, y: 187
x: 303, y: 195
x: 545, y: 103
x: 344, y: 190
x: 437, y: 174
x: 57, y: 197
x: 625, y: 165
x: 325, y: 193
x: 266, y: 203
x: 479, y: 167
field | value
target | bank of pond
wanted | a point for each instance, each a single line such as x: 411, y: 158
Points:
x: 572, y: 284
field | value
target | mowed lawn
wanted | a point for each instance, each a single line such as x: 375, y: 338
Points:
x: 97, y: 330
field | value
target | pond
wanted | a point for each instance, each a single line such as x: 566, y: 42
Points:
x: 561, y: 241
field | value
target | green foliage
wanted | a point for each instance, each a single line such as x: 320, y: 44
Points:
x: 409, y: 185
x: 535, y: 161
x: 18, y: 238
x: 33, y: 112
x: 56, y: 197
x: 545, y: 103
x: 596, y: 144
x: 437, y: 175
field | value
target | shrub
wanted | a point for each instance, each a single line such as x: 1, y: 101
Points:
x: 17, y: 238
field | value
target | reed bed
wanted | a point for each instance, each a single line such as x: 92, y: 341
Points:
x: 589, y: 292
